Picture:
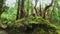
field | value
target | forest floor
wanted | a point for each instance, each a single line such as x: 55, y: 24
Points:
x: 57, y: 25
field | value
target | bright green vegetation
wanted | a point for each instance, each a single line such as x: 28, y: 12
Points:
x: 25, y: 18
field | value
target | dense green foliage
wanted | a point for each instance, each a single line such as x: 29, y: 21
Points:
x: 30, y: 24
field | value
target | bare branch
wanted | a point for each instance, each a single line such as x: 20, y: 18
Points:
x: 44, y: 11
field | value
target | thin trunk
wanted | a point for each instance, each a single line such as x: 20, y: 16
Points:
x: 35, y: 7
x: 40, y: 8
x: 1, y: 5
x: 40, y: 11
x: 45, y: 10
x: 28, y: 8
x: 35, y: 12
x: 22, y: 12
x: 18, y: 9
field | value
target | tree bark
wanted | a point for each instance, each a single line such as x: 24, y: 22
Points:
x: 35, y: 7
x: 18, y: 9
x: 45, y: 10
x: 22, y: 12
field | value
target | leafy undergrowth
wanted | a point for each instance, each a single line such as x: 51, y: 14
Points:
x: 30, y: 25
x: 57, y: 27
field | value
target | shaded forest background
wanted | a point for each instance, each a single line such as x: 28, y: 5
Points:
x: 30, y: 17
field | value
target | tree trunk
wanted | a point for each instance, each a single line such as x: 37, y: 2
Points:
x: 40, y: 11
x: 36, y: 12
x: 1, y: 5
x: 45, y: 10
x: 22, y: 12
x: 18, y: 9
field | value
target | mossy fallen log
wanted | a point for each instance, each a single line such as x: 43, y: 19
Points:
x: 31, y: 25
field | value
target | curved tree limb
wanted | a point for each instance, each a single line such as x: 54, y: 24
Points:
x: 45, y: 9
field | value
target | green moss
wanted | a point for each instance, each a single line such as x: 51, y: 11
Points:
x: 36, y: 25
